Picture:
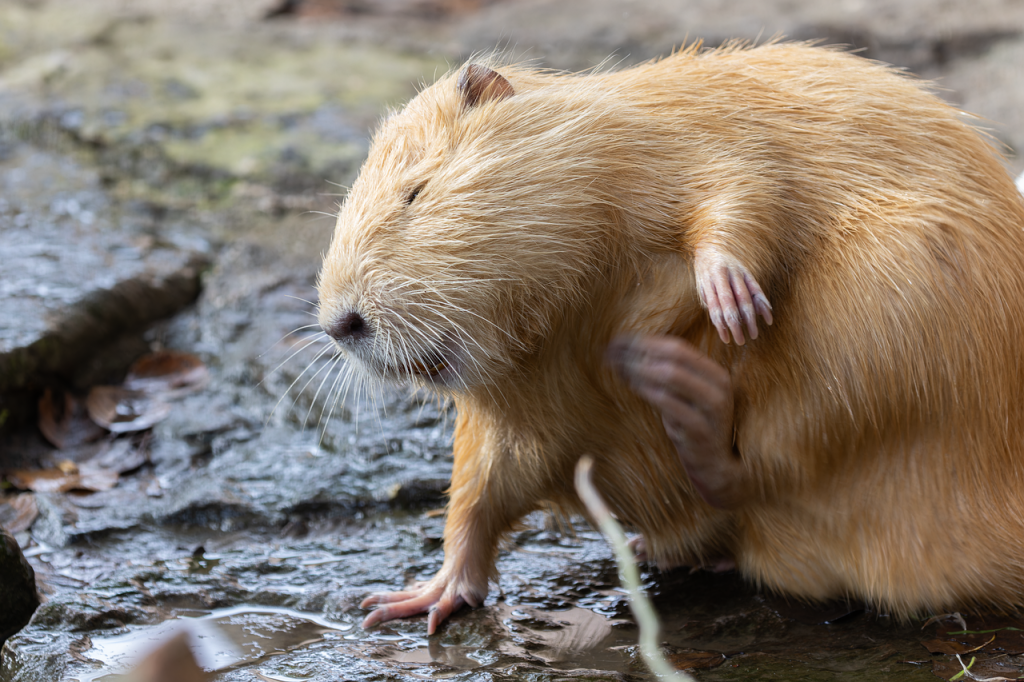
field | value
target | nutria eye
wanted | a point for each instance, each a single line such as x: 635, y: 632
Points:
x: 413, y: 194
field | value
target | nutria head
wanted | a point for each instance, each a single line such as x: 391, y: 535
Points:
x: 475, y: 220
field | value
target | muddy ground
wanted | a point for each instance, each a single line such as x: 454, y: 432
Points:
x: 168, y: 175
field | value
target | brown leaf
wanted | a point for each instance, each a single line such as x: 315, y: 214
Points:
x: 64, y: 423
x: 944, y: 646
x: 120, y: 410
x: 696, y: 660
x: 17, y: 512
x: 167, y: 373
x: 41, y: 480
x: 89, y: 478
x: 54, y: 420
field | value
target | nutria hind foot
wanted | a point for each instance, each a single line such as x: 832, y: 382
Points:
x: 718, y: 564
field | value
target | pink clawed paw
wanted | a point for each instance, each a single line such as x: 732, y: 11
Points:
x: 732, y: 295
x: 435, y: 597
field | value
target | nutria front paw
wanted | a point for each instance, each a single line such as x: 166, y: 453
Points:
x: 439, y: 597
x: 694, y: 396
x: 732, y: 295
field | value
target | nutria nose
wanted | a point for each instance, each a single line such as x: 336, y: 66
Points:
x: 349, y: 327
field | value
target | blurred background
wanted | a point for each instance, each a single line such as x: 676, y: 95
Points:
x: 177, y: 445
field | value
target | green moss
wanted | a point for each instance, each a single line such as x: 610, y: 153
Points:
x: 233, y: 100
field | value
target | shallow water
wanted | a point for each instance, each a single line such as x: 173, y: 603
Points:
x: 235, y: 637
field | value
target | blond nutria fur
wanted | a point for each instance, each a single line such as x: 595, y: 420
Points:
x: 509, y: 223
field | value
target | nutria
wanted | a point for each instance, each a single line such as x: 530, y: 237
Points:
x: 509, y: 224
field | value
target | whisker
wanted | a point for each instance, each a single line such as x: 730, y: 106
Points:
x: 299, y: 298
x: 319, y: 355
x: 345, y: 379
x: 294, y: 331
x: 312, y: 402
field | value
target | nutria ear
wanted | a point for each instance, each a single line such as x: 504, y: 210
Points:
x: 480, y: 84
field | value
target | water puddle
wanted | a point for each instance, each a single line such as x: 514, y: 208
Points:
x: 226, y: 638
x: 559, y: 639
x: 248, y: 636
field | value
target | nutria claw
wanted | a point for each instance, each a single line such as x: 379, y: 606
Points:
x: 732, y: 295
x: 433, y: 597
x: 694, y: 396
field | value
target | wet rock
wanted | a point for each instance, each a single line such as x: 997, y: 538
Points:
x: 76, y: 276
x: 18, y: 597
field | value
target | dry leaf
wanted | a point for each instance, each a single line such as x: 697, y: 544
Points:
x: 942, y: 646
x: 41, y: 480
x: 63, y: 422
x: 17, y: 512
x: 89, y: 478
x: 696, y: 660
x: 167, y: 373
x: 120, y: 410
x: 54, y: 421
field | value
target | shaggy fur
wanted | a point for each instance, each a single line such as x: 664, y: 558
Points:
x: 494, y: 247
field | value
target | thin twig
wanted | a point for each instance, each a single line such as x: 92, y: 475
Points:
x: 646, y: 618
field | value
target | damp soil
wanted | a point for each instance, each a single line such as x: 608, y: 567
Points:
x: 261, y: 509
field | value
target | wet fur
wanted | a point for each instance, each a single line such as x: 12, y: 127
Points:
x: 881, y: 415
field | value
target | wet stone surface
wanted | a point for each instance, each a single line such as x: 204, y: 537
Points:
x: 143, y: 140
x: 78, y: 272
x: 557, y: 612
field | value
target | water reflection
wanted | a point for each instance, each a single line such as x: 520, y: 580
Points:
x: 246, y: 637
x: 556, y: 638
x: 226, y: 638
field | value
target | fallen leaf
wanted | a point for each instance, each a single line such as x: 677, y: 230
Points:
x: 89, y: 478
x: 121, y: 410
x: 54, y: 420
x: 63, y: 422
x: 167, y: 373
x: 696, y: 660
x: 943, y: 646
x: 17, y: 512
x: 41, y: 480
